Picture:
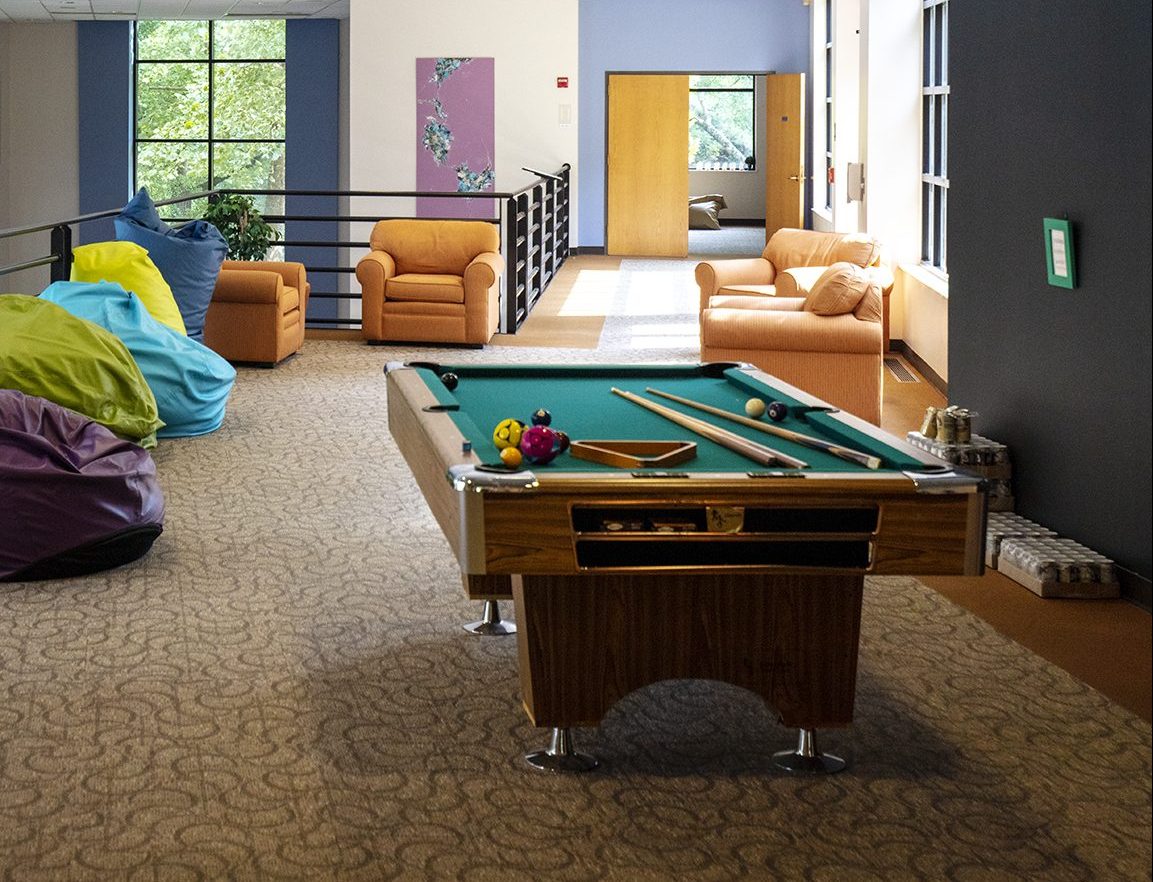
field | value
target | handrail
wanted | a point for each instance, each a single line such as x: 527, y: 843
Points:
x: 533, y: 225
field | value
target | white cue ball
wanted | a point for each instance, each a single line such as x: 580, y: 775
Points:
x: 755, y: 408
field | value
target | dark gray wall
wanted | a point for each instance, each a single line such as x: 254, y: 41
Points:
x: 1050, y: 116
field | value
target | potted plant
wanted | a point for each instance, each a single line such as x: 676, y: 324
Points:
x: 248, y: 234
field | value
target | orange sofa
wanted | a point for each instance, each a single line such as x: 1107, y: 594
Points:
x: 828, y: 342
x: 258, y: 310
x: 789, y: 265
x: 431, y: 281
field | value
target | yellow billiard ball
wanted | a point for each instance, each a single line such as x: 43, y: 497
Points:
x: 511, y: 457
x: 755, y: 408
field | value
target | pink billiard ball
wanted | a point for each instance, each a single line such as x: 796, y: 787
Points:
x: 539, y: 444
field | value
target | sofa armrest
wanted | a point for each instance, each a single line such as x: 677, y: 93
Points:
x: 291, y: 271
x: 790, y: 331
x: 373, y: 271
x: 882, y: 275
x: 712, y: 275
x: 247, y: 286
x: 483, y: 271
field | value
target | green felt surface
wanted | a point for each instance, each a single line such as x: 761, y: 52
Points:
x: 583, y: 406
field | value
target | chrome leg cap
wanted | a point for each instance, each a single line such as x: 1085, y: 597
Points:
x: 798, y: 764
x: 561, y: 756
x: 491, y: 624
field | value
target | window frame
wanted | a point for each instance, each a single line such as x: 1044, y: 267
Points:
x: 830, y: 124
x: 934, y: 134
x: 211, y: 141
x: 752, y: 91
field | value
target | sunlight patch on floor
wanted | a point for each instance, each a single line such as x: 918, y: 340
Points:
x: 592, y: 293
x: 665, y: 335
x: 660, y: 293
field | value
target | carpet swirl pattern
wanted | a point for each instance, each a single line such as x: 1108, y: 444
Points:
x: 281, y: 690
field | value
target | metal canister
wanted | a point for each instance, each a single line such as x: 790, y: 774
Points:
x: 946, y: 427
x: 963, y: 419
x: 929, y: 425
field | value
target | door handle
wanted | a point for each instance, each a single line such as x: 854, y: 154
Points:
x: 797, y: 177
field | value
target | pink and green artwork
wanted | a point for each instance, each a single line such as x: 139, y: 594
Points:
x: 455, y: 126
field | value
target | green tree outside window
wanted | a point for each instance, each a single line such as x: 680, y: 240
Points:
x: 721, y: 122
x: 210, y: 109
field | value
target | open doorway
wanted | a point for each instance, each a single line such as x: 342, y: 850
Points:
x: 702, y: 163
x: 726, y: 164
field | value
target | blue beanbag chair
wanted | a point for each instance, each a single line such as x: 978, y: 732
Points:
x: 191, y: 383
x: 188, y: 257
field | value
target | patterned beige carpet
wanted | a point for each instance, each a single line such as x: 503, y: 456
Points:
x: 281, y: 690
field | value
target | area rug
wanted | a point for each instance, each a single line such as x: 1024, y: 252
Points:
x: 282, y: 690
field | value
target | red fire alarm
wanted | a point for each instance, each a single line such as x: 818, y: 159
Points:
x: 562, y: 82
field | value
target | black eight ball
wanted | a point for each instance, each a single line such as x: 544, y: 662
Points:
x: 450, y: 380
x: 778, y: 410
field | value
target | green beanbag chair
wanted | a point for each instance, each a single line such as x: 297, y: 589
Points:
x: 48, y: 352
x: 129, y: 265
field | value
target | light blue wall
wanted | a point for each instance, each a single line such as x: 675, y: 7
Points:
x: 672, y: 35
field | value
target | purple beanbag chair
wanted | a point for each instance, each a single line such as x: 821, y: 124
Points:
x: 74, y: 498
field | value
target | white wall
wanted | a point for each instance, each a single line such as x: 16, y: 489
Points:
x: 39, y: 154
x: 533, y: 43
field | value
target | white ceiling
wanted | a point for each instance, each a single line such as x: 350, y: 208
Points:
x: 104, y: 10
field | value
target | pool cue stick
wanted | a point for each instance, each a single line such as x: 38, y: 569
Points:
x: 867, y: 460
x: 750, y: 449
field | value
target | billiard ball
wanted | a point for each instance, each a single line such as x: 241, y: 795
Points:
x: 507, y: 433
x: 542, y: 417
x: 539, y: 444
x: 563, y: 439
x: 450, y: 380
x: 755, y: 408
x: 511, y: 457
x: 778, y: 410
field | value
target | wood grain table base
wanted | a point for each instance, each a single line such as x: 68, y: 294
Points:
x: 586, y: 641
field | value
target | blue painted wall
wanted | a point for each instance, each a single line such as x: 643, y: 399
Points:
x: 312, y: 157
x: 672, y: 35
x: 104, y: 65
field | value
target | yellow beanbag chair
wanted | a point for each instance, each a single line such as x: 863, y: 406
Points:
x: 129, y: 265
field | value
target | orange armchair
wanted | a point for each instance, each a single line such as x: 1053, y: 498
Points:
x: 258, y: 311
x: 828, y: 342
x: 431, y: 281
x: 790, y: 264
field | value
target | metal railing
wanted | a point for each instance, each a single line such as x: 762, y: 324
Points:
x: 533, y: 223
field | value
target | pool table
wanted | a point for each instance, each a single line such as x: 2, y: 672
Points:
x: 717, y: 567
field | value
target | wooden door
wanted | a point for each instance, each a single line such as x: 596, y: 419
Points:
x: 785, y: 166
x: 647, y: 165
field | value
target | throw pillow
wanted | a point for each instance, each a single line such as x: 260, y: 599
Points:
x: 189, y: 256
x: 47, y: 352
x: 838, y: 290
x: 190, y: 381
x: 128, y: 264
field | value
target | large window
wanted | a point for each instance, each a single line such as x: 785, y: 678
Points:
x: 934, y: 129
x: 210, y: 108
x: 722, y: 122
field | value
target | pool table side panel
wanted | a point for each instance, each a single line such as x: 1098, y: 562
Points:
x: 430, y: 443
x: 916, y: 535
x: 584, y: 643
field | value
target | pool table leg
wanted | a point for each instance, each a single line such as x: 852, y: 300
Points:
x: 807, y: 759
x: 490, y: 624
x: 560, y: 755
